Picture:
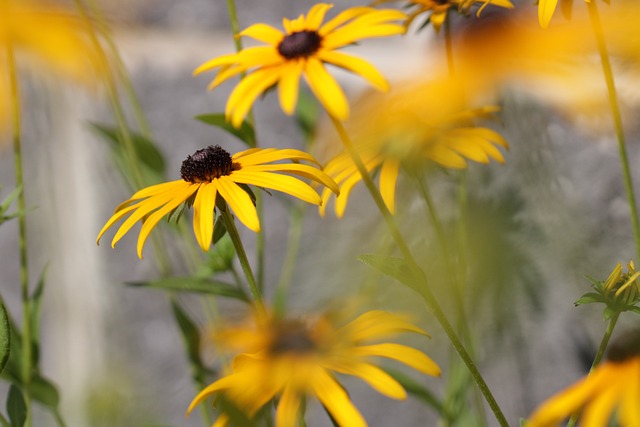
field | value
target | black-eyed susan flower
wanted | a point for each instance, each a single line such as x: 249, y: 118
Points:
x: 416, y: 123
x: 295, y: 358
x: 303, y: 49
x: 438, y: 9
x: 212, y: 173
x: 620, y: 292
x: 611, y: 390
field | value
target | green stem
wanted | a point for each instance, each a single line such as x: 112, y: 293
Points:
x: 419, y: 275
x: 599, y: 355
x: 22, y: 231
x: 244, y: 261
x: 235, y: 25
x: 617, y: 118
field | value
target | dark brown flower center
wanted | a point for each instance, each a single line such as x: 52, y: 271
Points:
x: 292, y: 337
x: 207, y: 164
x: 300, y: 44
x: 625, y: 347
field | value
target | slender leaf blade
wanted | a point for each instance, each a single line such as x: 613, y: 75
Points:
x: 394, y: 267
x: 244, y: 133
x: 5, y: 337
x: 16, y: 407
x: 195, y: 285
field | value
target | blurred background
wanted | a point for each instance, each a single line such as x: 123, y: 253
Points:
x: 555, y: 213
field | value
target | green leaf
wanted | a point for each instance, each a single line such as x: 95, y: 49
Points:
x: 608, y: 313
x: 43, y: 391
x: 191, y: 336
x: 194, y: 284
x: 147, y: 152
x: 36, y: 304
x: 16, y: 407
x: 6, y: 203
x: 394, y: 267
x: 219, y: 230
x: 5, y: 337
x: 634, y: 309
x: 245, y: 132
x: 589, y: 298
x: 307, y: 113
x: 417, y: 390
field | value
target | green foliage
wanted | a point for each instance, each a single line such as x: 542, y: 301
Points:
x: 613, y: 303
x: 16, y: 407
x: 192, y: 340
x: 418, y: 391
x: 5, y: 337
x: 244, y: 133
x: 194, y: 285
x: 148, y: 156
x: 307, y: 114
x: 394, y: 267
x: 6, y: 204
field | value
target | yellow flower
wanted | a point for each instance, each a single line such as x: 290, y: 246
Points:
x: 614, y: 384
x: 546, y: 8
x: 304, y: 48
x: 411, y: 125
x: 292, y: 359
x: 212, y: 172
x: 440, y: 8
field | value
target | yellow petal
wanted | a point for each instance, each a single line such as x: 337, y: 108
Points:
x: 264, y: 33
x: 437, y: 19
x: 115, y: 218
x: 388, y: 178
x: 597, y: 413
x: 545, y: 11
x: 240, y: 202
x: 378, y: 379
x: 336, y: 401
x: 343, y: 17
x: 289, y: 84
x: 326, y: 89
x: 203, y: 208
x: 351, y: 35
x: 268, y: 155
x: 219, y: 61
x: 243, y: 96
x: 316, y: 15
x: 357, y: 66
x: 153, y: 219
x: 402, y: 353
x: 286, y: 414
x: 222, y: 421
x: 221, y: 384
x: 286, y: 184
x: 305, y: 171
x: 630, y: 406
x: 377, y: 324
x: 443, y: 155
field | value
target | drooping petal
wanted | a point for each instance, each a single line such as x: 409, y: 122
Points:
x: 378, y: 379
x: 240, y: 202
x: 357, y: 66
x: 598, y: 412
x: 203, y: 213
x: 326, y: 89
x: 222, y: 384
x: 284, y: 183
x: 337, y: 402
x: 245, y: 94
x: 343, y: 17
x: 388, y: 178
x: 545, y: 11
x: 340, y: 39
x: 402, y: 353
x: 289, y: 85
x: 286, y: 414
x: 155, y: 217
x: 258, y: 157
x: 305, y: 171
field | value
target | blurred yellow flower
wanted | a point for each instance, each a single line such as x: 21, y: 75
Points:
x: 303, y: 49
x: 613, y: 387
x: 213, y: 172
x: 415, y: 123
x: 294, y: 358
x: 440, y: 8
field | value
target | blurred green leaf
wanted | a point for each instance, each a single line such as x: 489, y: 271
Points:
x: 589, y: 298
x: 245, y: 132
x: 194, y: 284
x: 147, y: 152
x: 36, y: 304
x: 43, y: 391
x: 191, y: 336
x: 5, y: 337
x: 6, y: 203
x: 394, y: 267
x: 16, y: 407
x: 307, y: 113
x: 417, y: 390
x: 219, y: 230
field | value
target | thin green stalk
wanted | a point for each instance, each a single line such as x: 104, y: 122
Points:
x: 22, y: 232
x: 244, y: 261
x: 617, y: 118
x: 420, y: 276
x: 235, y: 24
x: 599, y: 355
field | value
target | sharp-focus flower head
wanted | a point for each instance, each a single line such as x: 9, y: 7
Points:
x: 295, y: 358
x: 213, y: 173
x: 612, y: 388
x: 620, y: 292
x: 414, y: 124
x: 303, y: 49
x: 439, y: 8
